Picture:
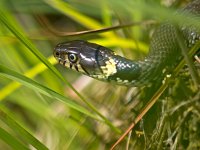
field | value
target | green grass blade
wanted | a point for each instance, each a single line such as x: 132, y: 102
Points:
x: 5, y: 19
x: 21, y: 131
x: 37, y: 69
x: 42, y: 89
x: 11, y: 141
x: 78, y: 17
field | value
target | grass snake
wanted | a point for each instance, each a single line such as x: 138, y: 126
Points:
x: 102, y: 63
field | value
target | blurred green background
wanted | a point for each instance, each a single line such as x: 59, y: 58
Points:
x: 39, y: 108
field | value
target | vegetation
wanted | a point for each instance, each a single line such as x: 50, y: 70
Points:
x: 46, y: 106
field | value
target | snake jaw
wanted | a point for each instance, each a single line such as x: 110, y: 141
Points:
x: 59, y: 61
x: 70, y: 65
x: 76, y: 67
x: 64, y: 62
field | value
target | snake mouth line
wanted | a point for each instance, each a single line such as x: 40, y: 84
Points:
x: 61, y: 61
x: 71, y: 65
x: 64, y: 62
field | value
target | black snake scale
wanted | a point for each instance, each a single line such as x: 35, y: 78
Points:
x: 101, y: 63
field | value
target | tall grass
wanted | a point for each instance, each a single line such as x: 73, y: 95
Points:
x: 46, y: 106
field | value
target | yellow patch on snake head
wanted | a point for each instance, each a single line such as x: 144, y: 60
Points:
x: 109, y: 68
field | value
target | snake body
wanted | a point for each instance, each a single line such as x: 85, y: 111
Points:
x: 102, y: 63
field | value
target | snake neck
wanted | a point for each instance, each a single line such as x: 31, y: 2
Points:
x: 163, y: 55
x: 126, y: 70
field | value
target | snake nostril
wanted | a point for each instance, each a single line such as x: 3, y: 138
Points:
x: 57, y: 54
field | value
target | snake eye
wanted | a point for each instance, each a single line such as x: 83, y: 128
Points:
x: 72, y: 58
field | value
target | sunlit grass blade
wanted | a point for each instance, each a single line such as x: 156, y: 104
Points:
x: 90, y: 23
x: 11, y: 140
x: 7, y: 21
x: 11, y: 87
x: 75, y: 15
x: 121, y: 43
x: 21, y: 131
x: 42, y: 89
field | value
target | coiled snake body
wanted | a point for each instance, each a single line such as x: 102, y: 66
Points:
x: 102, y: 63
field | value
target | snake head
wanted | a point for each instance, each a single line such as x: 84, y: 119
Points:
x: 85, y: 57
x: 68, y: 54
